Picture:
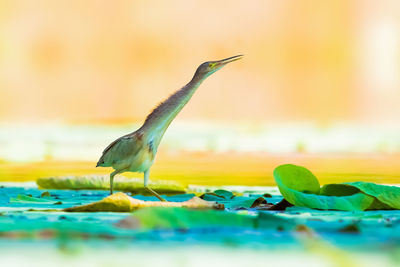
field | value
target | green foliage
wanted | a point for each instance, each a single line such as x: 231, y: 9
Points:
x: 29, y: 199
x: 224, y: 193
x: 300, y: 187
x: 183, y: 218
x: 232, y: 201
x: 161, y: 217
x: 389, y: 195
x: 288, y: 175
x: 99, y: 182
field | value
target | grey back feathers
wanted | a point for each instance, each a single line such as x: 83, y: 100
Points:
x: 119, y: 149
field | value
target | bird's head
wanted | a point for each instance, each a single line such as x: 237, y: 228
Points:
x: 209, y: 67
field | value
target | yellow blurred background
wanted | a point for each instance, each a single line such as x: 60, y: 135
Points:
x: 330, y: 65
x: 90, y: 61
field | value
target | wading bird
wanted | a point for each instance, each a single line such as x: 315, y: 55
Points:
x: 135, y: 152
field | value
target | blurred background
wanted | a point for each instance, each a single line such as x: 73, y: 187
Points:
x: 319, y: 86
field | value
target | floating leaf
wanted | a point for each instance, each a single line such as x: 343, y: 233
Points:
x: 178, y: 218
x: 389, y: 195
x: 258, y: 202
x: 120, y: 202
x: 224, y: 193
x: 45, y: 194
x: 212, y: 197
x: 102, y: 182
x: 300, y: 187
x: 172, y: 218
x: 351, y: 228
x: 29, y: 199
x: 240, y: 202
x: 281, y: 205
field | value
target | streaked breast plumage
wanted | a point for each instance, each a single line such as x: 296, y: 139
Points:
x: 132, y: 152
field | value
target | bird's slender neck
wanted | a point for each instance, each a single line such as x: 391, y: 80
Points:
x: 161, y: 117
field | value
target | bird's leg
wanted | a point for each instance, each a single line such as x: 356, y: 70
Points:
x: 154, y: 193
x: 112, y: 180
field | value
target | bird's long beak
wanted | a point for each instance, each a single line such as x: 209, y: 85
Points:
x: 225, y: 61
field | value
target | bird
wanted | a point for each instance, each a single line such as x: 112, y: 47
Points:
x: 136, y: 151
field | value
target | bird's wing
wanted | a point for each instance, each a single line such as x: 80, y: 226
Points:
x: 120, y: 149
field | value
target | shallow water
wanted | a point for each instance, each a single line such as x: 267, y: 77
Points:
x: 56, y: 234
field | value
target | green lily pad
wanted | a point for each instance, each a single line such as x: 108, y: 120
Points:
x: 234, y: 202
x: 159, y: 217
x: 182, y: 218
x: 224, y: 193
x: 243, y: 202
x: 301, y: 188
x: 212, y: 197
x: 29, y: 199
x: 102, y: 182
x: 388, y: 195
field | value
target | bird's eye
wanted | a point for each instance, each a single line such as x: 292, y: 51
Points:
x: 211, y: 65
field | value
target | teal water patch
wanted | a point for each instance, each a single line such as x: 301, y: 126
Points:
x: 31, y: 215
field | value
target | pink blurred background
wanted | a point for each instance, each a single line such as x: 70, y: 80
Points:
x: 112, y: 61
